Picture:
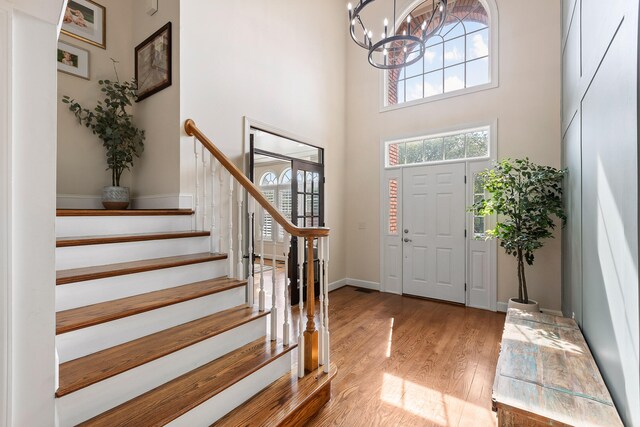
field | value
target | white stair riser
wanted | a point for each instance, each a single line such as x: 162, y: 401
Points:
x: 91, y: 255
x: 82, y: 342
x: 97, y: 398
x: 223, y: 403
x: 89, y: 292
x: 71, y: 226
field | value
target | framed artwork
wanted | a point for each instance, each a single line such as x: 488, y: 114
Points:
x: 73, y: 60
x: 153, y: 63
x: 86, y: 20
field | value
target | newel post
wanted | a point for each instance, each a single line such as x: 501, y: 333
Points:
x: 310, y: 334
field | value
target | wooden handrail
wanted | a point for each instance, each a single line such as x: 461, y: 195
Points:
x: 192, y: 130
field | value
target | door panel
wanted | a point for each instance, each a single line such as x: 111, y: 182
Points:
x: 433, y: 237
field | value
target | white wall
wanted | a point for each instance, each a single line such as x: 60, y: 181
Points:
x: 82, y: 161
x: 526, y: 105
x: 280, y: 62
x: 157, y: 173
x: 27, y: 203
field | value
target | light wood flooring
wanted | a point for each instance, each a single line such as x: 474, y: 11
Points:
x: 407, y: 362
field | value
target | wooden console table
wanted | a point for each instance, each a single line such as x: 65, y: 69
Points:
x: 546, y: 375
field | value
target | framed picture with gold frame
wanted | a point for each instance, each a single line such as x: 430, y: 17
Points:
x: 86, y: 20
x: 153, y: 63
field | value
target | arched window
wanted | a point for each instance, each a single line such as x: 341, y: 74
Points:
x: 284, y: 198
x: 285, y: 176
x: 457, y: 58
x: 269, y: 178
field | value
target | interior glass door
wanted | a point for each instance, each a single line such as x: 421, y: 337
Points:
x: 291, y: 175
x: 308, y: 210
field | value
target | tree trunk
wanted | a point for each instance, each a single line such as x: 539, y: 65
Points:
x: 522, y: 289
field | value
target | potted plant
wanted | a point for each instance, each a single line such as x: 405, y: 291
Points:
x: 526, y: 198
x: 113, y: 124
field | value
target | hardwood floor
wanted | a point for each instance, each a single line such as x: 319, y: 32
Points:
x: 405, y: 361
x: 410, y: 362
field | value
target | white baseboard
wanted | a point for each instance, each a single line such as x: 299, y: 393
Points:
x: 78, y: 201
x: 337, y: 284
x: 363, y: 284
x: 354, y: 282
x: 158, y: 201
x: 502, y: 307
x: 163, y: 201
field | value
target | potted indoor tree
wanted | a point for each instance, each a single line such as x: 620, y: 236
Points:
x: 113, y: 124
x: 527, y: 198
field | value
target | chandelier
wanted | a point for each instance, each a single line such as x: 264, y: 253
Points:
x: 396, y: 50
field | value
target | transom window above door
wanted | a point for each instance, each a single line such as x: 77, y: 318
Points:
x: 458, y: 145
x: 456, y: 59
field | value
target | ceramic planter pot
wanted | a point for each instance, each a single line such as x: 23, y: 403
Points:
x: 533, y: 306
x: 115, y: 197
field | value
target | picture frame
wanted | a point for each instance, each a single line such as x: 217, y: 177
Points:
x: 73, y: 60
x: 86, y: 20
x: 153, y: 63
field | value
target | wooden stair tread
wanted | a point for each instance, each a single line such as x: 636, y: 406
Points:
x: 63, y: 242
x: 124, y: 212
x: 102, y: 271
x: 82, y: 317
x: 173, y: 399
x: 83, y: 372
x: 277, y: 404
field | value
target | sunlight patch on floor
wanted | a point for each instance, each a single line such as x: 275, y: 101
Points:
x: 390, y: 341
x: 427, y: 403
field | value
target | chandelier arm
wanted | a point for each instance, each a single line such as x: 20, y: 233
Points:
x: 353, y: 34
x: 406, y: 41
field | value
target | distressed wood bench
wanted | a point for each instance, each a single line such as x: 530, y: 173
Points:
x: 546, y: 375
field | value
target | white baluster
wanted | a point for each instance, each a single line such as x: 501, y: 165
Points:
x: 240, y: 263
x: 327, y: 342
x: 285, y: 326
x: 213, y: 165
x: 221, y: 209
x: 250, y: 288
x: 274, y: 308
x: 301, y: 248
x: 230, y: 252
x: 261, y: 295
x: 204, y: 188
x: 197, y: 196
x: 321, y: 285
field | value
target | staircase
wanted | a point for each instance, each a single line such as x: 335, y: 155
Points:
x: 152, y: 328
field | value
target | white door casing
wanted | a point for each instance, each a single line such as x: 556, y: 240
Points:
x: 481, y: 253
x: 433, y: 222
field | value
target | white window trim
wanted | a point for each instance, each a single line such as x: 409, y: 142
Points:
x: 492, y: 9
x: 491, y: 155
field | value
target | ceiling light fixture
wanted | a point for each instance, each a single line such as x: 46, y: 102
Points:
x: 393, y: 50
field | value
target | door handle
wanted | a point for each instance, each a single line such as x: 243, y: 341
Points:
x: 407, y: 240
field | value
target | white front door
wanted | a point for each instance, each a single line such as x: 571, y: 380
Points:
x: 433, y: 232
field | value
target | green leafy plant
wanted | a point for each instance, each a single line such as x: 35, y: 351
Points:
x: 526, y: 197
x: 113, y: 124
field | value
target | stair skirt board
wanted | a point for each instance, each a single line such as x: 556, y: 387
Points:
x: 97, y: 398
x: 80, y: 294
x: 69, y: 226
x: 86, y: 256
x: 81, y: 342
x: 218, y: 406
